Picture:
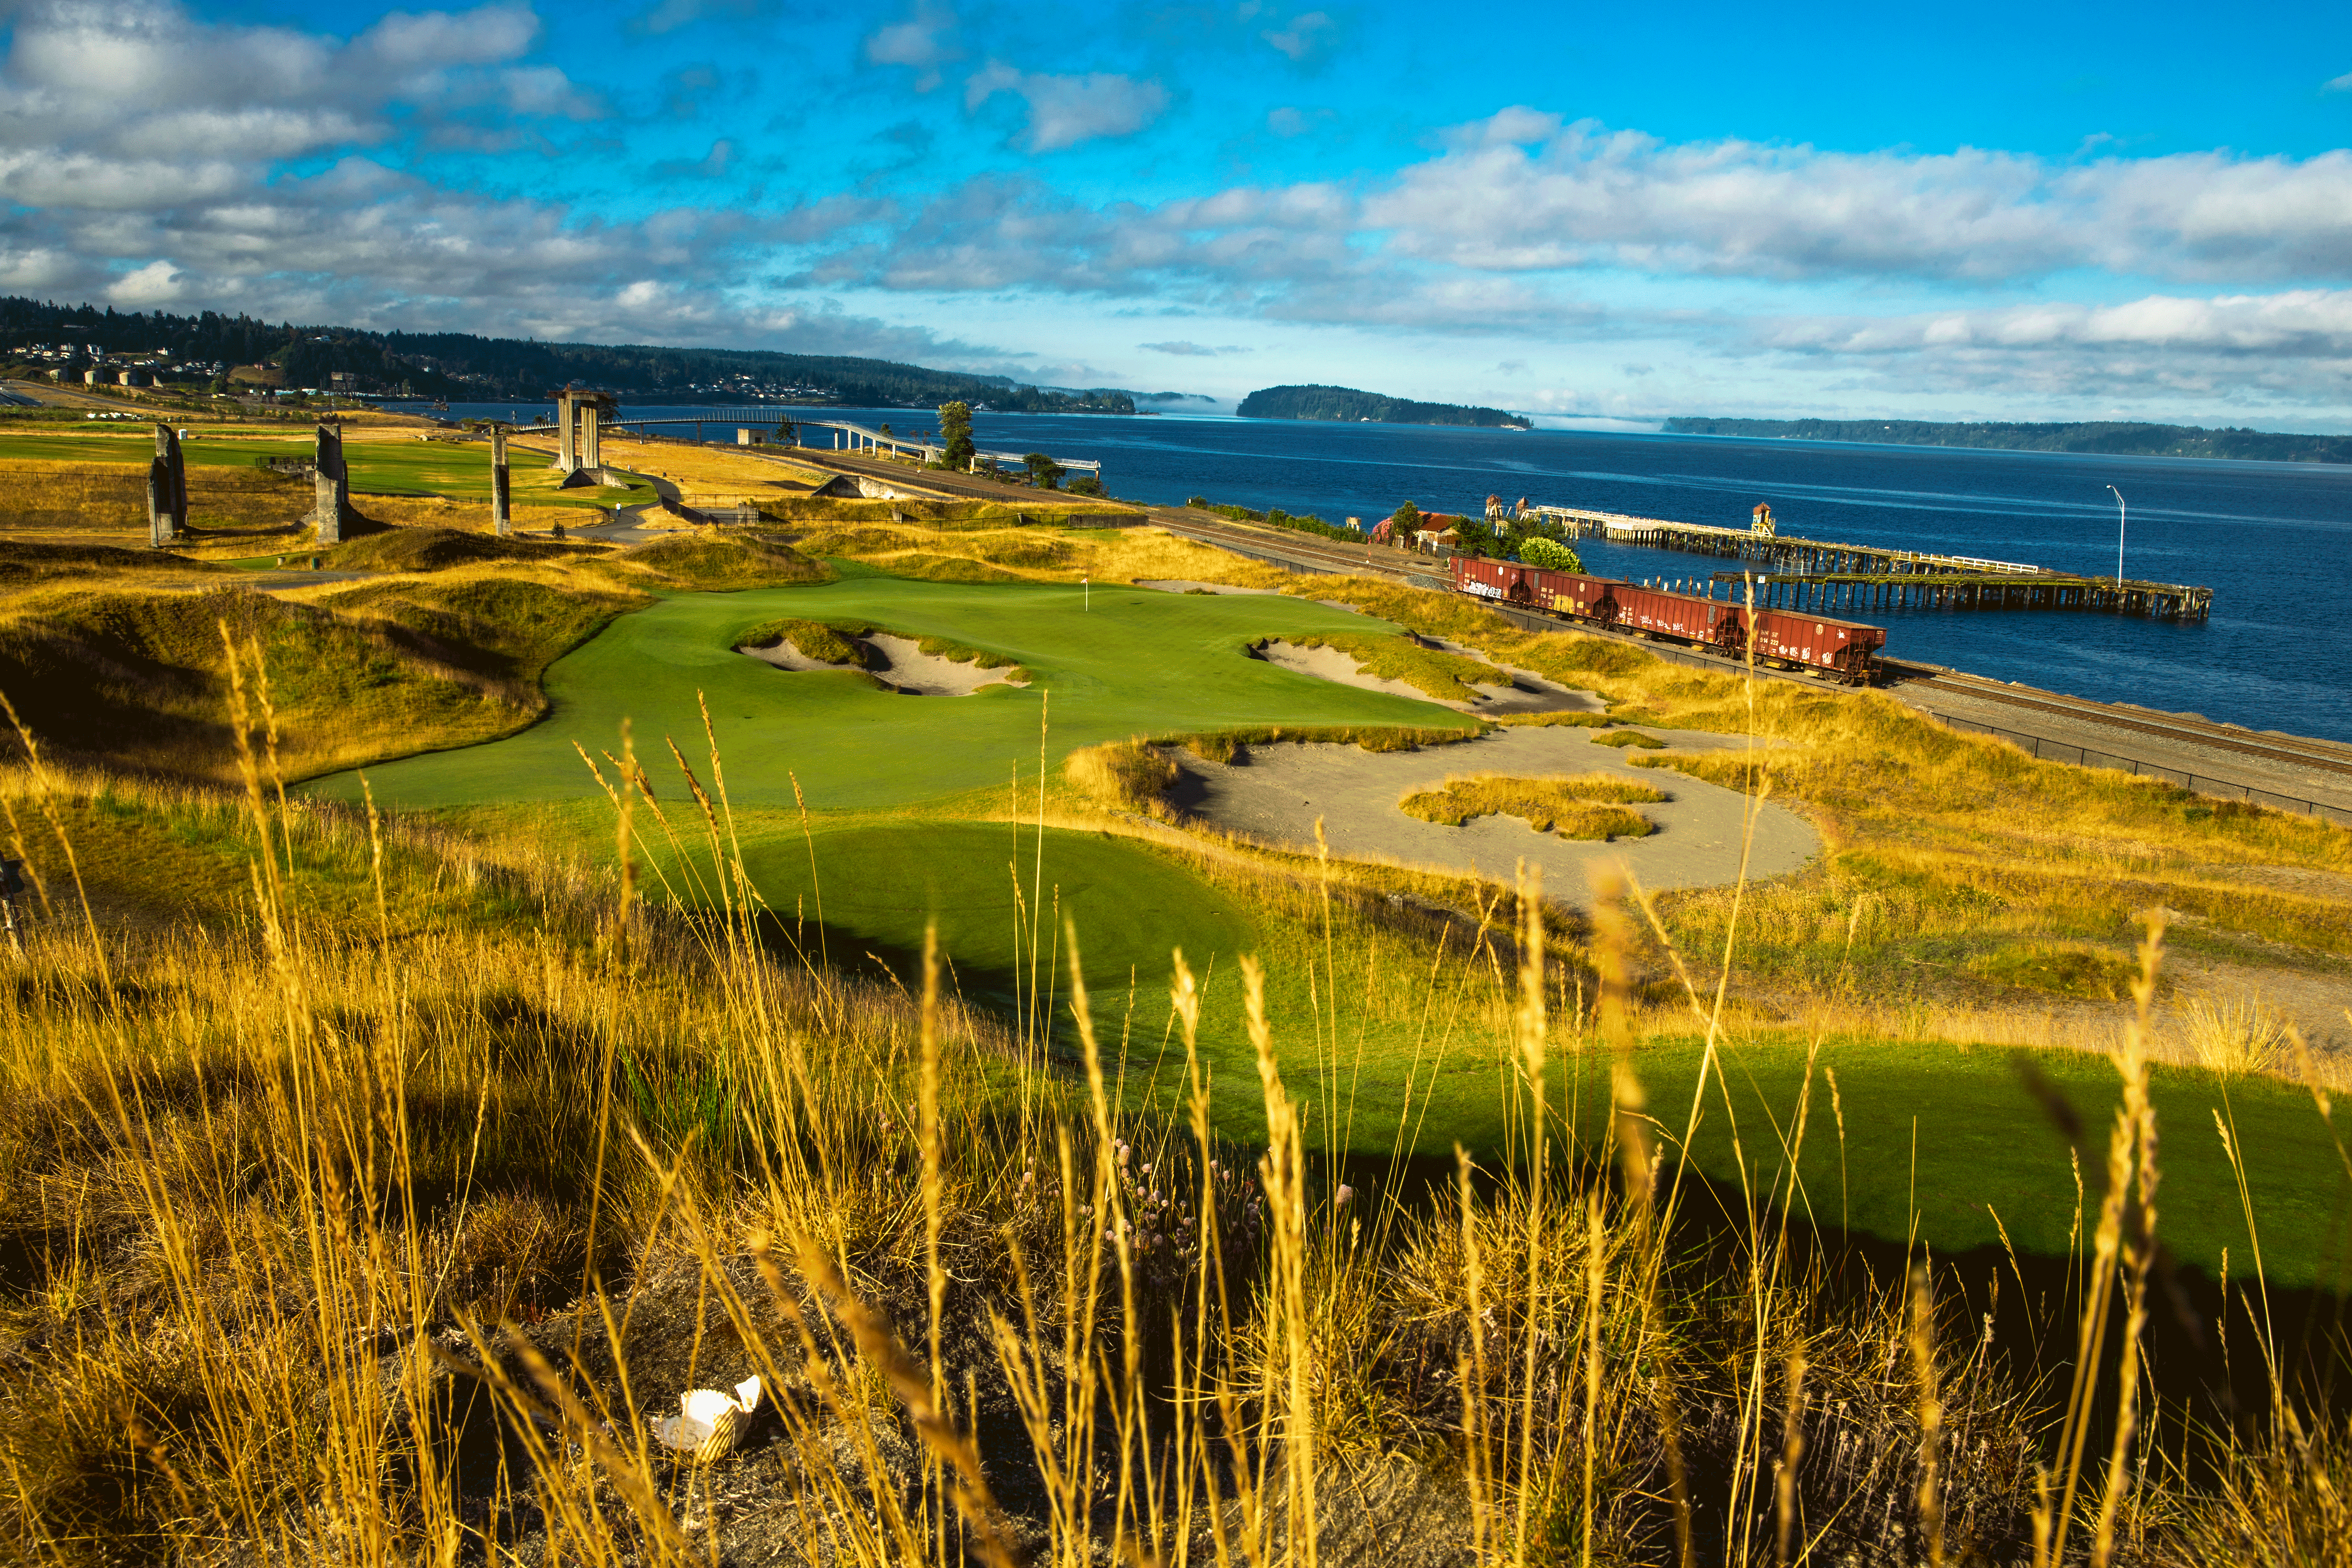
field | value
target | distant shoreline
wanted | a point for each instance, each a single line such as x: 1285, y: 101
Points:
x: 2088, y: 439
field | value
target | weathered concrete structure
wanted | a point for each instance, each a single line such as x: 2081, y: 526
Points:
x: 501, y: 509
x: 167, y: 491
x: 333, y: 487
x: 579, y: 418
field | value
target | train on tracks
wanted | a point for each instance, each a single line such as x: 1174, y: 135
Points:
x: 1847, y: 651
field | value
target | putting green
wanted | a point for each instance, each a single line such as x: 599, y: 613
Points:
x: 878, y: 887
x: 1117, y: 662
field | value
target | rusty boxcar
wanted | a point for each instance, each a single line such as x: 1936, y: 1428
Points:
x: 1846, y: 650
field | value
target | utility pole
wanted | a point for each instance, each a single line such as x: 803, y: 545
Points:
x: 2119, y: 536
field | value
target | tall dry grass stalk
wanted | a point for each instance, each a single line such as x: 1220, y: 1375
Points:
x: 363, y: 1240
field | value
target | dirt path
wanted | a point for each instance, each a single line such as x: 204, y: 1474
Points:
x: 1276, y: 793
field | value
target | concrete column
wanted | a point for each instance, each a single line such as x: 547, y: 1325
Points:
x: 331, y: 486
x: 159, y: 504
x: 742, y: 437
x: 502, y: 510
x: 567, y: 450
x: 168, y: 516
x: 591, y: 444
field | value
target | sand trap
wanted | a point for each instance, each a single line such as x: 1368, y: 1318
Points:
x: 1187, y: 586
x: 784, y: 656
x: 1527, y: 693
x: 901, y: 664
x: 907, y: 667
x: 1275, y: 792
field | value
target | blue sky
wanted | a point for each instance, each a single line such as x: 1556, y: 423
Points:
x: 2000, y: 211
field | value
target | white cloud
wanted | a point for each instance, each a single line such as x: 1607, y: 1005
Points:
x: 2341, y: 84
x: 2303, y: 324
x: 1192, y: 351
x: 923, y: 43
x: 1521, y: 191
x: 157, y: 283
x: 434, y: 39
x: 1064, y: 110
x: 1304, y: 34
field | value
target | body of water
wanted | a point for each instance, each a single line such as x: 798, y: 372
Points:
x: 2274, y: 541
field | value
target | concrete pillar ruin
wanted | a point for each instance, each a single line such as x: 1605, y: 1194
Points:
x: 167, y: 491
x: 502, y: 510
x: 332, y: 486
x: 591, y: 432
x: 567, y: 452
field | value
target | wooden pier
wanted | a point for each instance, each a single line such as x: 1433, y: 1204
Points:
x: 1838, y: 593
x: 1833, y: 578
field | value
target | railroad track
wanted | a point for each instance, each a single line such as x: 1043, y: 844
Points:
x: 2322, y: 756
x: 2302, y: 751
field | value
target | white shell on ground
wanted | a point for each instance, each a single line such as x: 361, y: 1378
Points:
x: 708, y: 1422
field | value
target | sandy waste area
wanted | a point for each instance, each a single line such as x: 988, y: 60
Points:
x: 1276, y: 793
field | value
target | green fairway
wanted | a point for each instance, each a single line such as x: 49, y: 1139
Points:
x: 1138, y: 661
x: 1952, y: 1137
x: 878, y: 887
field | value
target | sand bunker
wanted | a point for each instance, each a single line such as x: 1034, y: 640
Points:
x: 1187, y: 586
x: 898, y: 663
x: 1527, y: 693
x: 1275, y: 792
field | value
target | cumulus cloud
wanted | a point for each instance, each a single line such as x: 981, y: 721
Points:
x: 1064, y: 110
x: 1524, y: 192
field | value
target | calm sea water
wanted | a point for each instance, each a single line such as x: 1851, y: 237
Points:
x: 2274, y: 541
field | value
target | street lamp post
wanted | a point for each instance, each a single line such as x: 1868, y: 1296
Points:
x: 2119, y: 536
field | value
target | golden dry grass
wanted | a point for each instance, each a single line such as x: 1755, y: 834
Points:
x: 1584, y: 805
x: 335, y: 1206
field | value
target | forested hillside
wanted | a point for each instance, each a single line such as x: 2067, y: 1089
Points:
x: 1345, y: 403
x: 460, y: 364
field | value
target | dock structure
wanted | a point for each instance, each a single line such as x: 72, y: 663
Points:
x: 847, y: 437
x: 1838, y: 592
x: 1833, y: 578
x: 1779, y: 551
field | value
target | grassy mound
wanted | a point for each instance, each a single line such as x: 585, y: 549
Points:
x: 508, y: 628
x: 23, y: 561
x: 438, y: 550
x: 1447, y: 677
x: 142, y: 678
x: 1590, y: 806
x: 713, y: 561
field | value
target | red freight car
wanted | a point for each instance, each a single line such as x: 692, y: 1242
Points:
x: 1845, y: 649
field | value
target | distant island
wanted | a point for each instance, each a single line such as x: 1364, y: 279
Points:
x: 2113, y: 439
x: 1347, y: 404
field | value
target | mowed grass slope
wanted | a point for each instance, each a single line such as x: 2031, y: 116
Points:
x: 1105, y: 665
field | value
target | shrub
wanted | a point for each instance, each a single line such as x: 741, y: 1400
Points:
x: 1551, y: 555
